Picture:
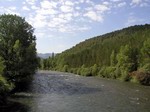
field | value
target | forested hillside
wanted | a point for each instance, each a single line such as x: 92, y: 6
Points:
x: 116, y: 54
x: 97, y: 50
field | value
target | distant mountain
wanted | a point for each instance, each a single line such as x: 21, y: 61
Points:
x: 45, y: 55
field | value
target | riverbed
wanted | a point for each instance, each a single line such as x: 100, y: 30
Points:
x: 65, y: 92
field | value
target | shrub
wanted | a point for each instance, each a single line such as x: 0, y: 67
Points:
x: 134, y: 79
x: 108, y: 72
x: 94, y: 70
x: 141, y: 77
x: 86, y: 72
x: 79, y: 71
x: 117, y: 73
x: 65, y: 68
x: 124, y: 76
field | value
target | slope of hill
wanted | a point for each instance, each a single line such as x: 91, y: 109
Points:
x: 97, y: 50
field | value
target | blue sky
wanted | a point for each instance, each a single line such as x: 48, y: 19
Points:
x: 61, y: 24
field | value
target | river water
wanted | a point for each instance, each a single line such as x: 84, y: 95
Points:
x: 64, y: 92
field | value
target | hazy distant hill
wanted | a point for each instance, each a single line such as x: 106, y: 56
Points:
x: 45, y: 55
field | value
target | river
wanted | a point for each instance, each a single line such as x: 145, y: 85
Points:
x: 64, y: 92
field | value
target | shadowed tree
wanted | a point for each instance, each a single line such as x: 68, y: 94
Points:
x: 17, y: 48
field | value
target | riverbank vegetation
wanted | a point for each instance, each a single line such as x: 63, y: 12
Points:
x: 122, y: 54
x: 18, y: 60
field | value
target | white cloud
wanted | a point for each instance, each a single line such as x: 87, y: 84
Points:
x: 34, y: 7
x: 94, y: 16
x: 102, y: 8
x: 57, y: 22
x: 31, y: 2
x: 89, y: 8
x: 69, y: 3
x: 66, y: 8
x: 10, y: 0
x: 68, y: 16
x: 47, y: 4
x: 144, y: 4
x: 89, y: 2
x: 46, y: 11
x: 106, y: 3
x: 64, y: 15
x: 81, y: 1
x: 76, y: 14
x: 23, y: 3
x: 141, y: 3
x: 115, y: 0
x: 77, y: 8
x: 122, y: 4
x: 136, y: 2
x: 96, y: 13
x: 25, y: 8
x: 38, y: 21
x: 40, y: 24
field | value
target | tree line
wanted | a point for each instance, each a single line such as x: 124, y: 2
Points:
x: 122, y: 54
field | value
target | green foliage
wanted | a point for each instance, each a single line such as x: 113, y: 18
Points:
x: 124, y: 76
x: 135, y: 80
x: 124, y: 58
x: 146, y: 48
x: 47, y: 64
x: 79, y: 71
x: 112, y: 59
x: 94, y: 70
x: 145, y: 54
x: 17, y: 48
x: 126, y: 61
x: 86, y: 72
x: 65, y: 68
x: 5, y: 87
x: 117, y: 73
x: 108, y: 72
x: 73, y: 70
